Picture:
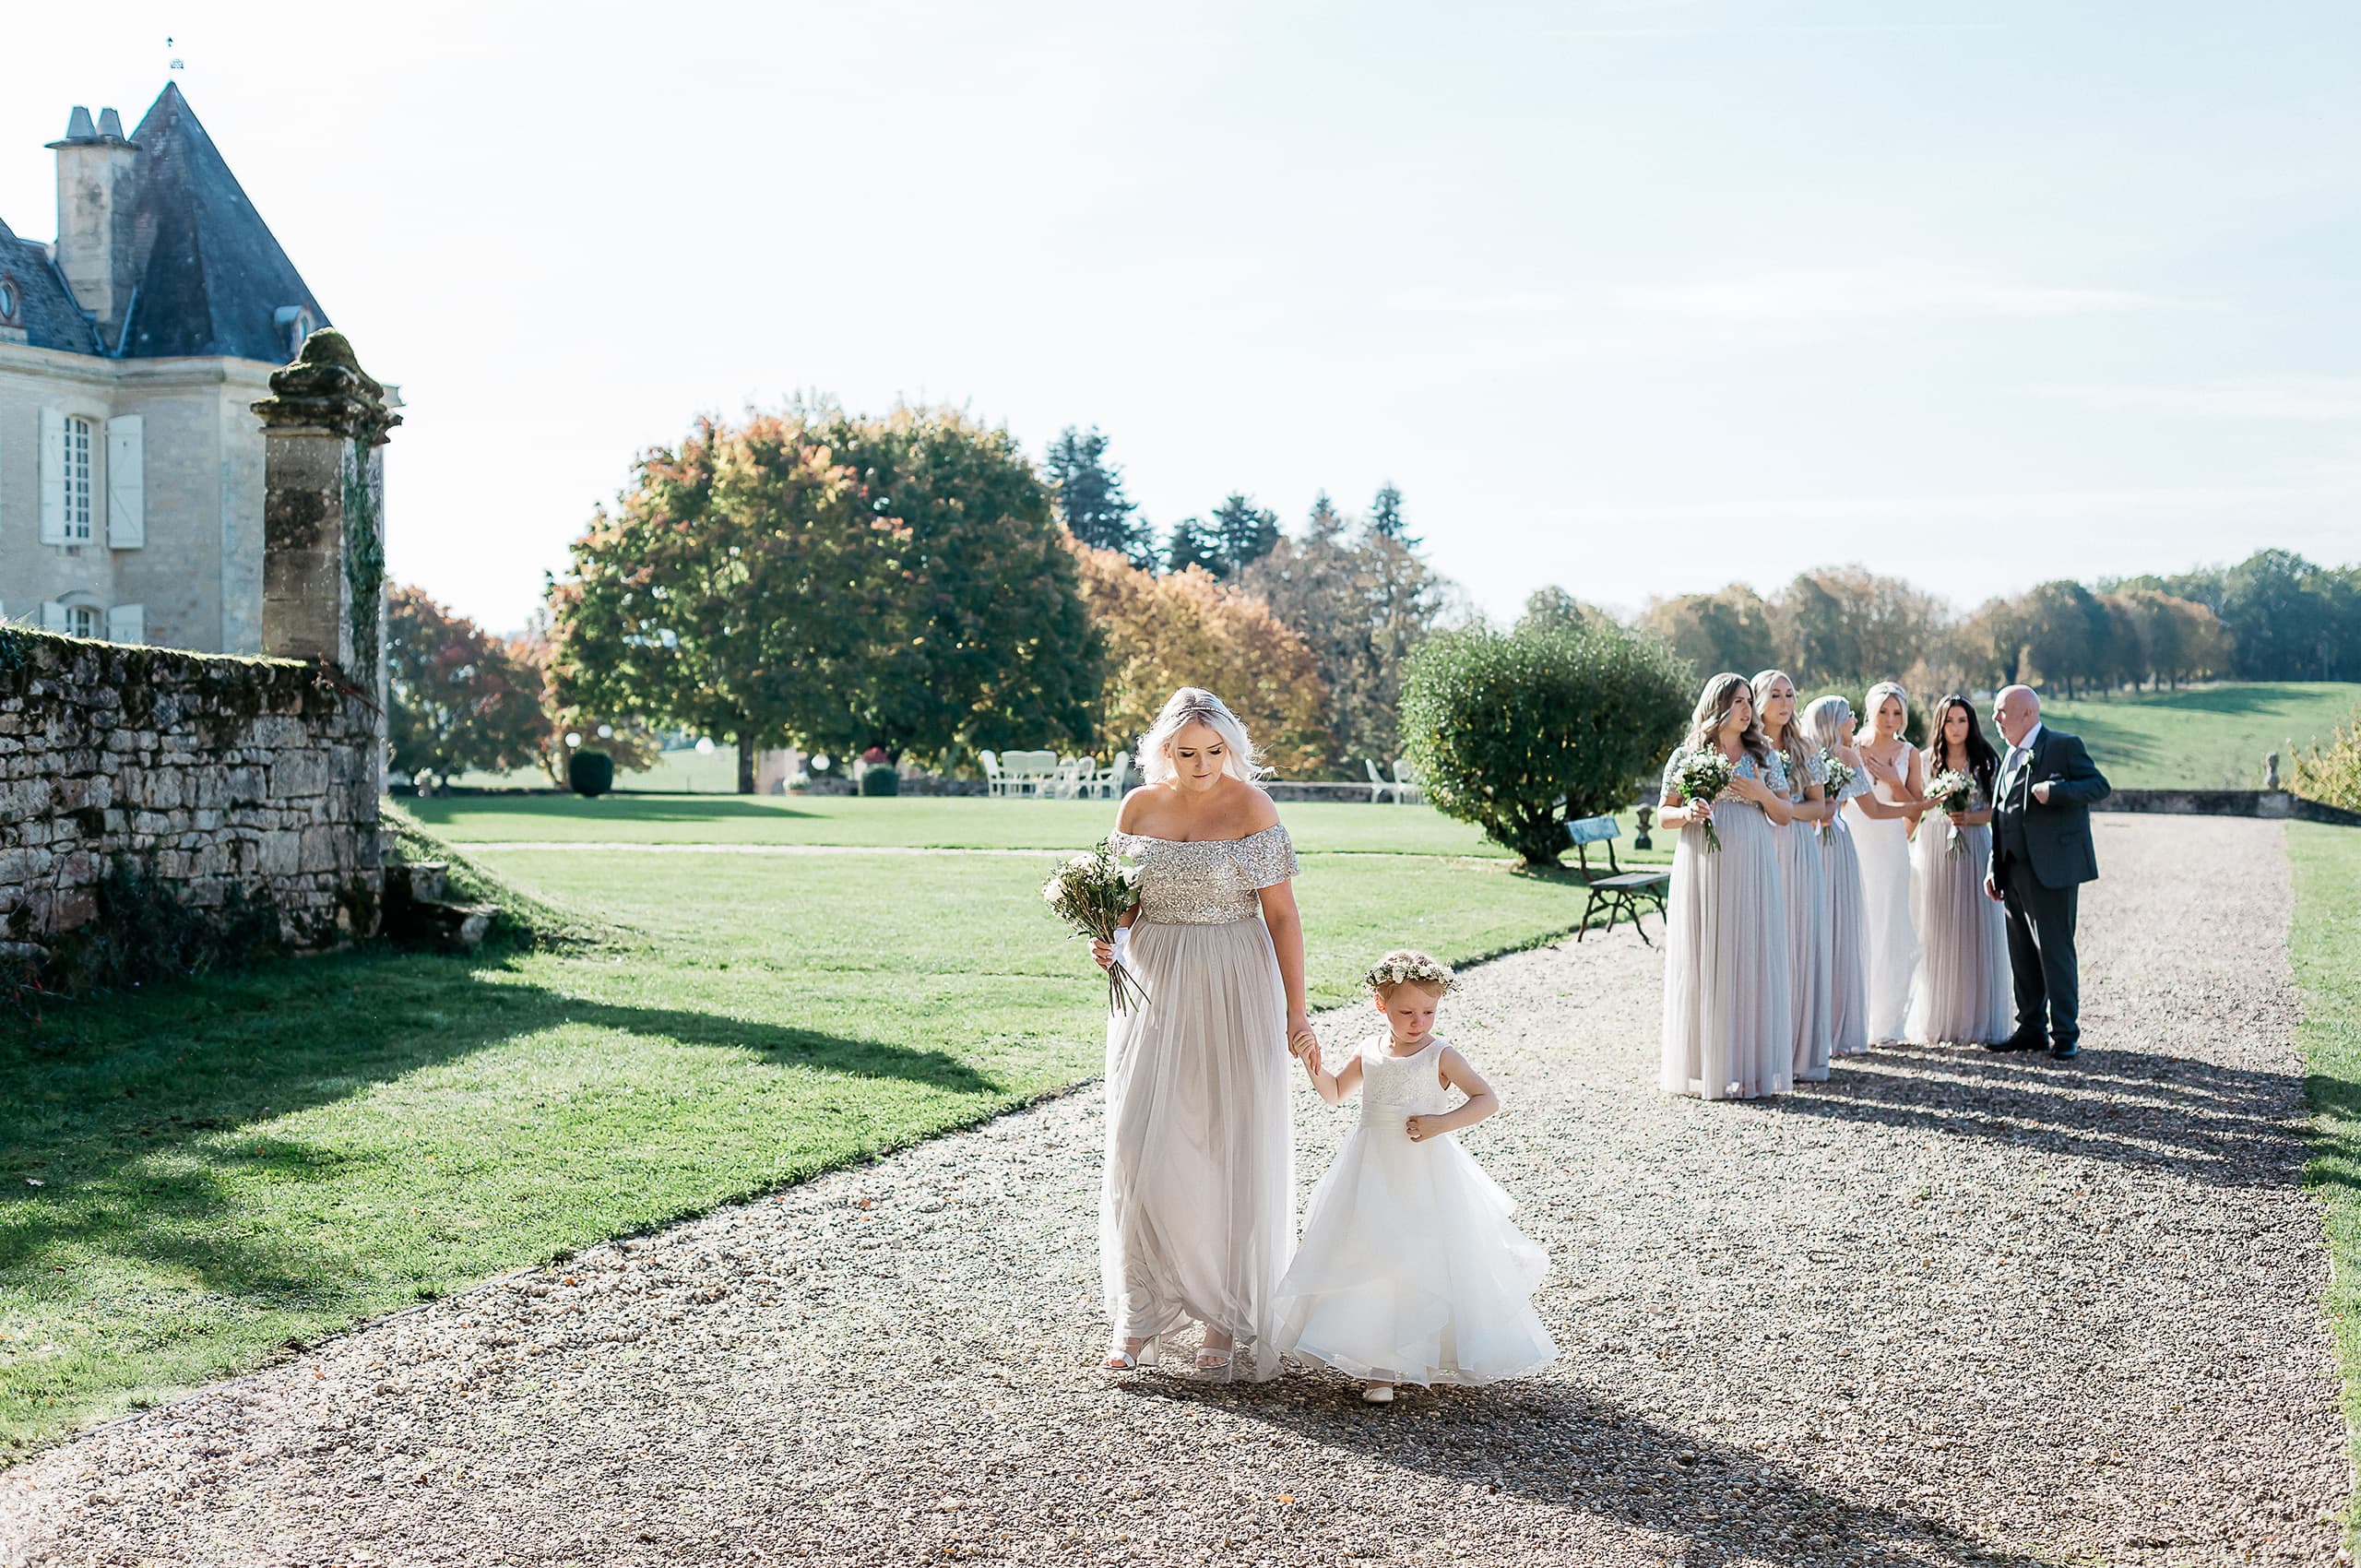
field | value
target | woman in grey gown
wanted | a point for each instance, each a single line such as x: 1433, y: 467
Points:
x: 1803, y: 871
x: 1197, y: 1201
x: 1963, y: 996
x: 1829, y: 721
x: 1729, y: 1031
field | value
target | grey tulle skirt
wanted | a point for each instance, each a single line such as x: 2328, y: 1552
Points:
x: 1963, y: 996
x: 1197, y: 1204
x: 1729, y: 1031
x: 1848, y: 946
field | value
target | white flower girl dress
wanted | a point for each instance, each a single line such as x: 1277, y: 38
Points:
x: 1410, y: 1270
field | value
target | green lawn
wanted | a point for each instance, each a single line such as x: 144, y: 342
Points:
x: 2209, y: 737
x: 687, y: 771
x: 2325, y: 947
x: 235, y: 1162
x: 920, y: 821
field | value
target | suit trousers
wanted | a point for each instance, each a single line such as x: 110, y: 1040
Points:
x: 2041, y: 952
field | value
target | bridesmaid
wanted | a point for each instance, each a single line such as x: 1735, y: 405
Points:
x: 1963, y: 991
x: 1196, y: 1214
x: 1728, y: 1028
x: 1829, y: 721
x: 1888, y: 817
x: 1803, y: 872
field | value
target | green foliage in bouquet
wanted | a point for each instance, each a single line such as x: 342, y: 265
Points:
x: 1952, y: 790
x: 1092, y: 892
x: 1702, y: 774
x: 1520, y: 732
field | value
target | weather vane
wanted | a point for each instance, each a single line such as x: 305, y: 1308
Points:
x: 175, y: 59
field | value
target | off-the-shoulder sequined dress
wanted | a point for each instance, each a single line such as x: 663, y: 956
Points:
x: 1197, y: 1208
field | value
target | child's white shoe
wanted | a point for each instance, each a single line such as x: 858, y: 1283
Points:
x: 1378, y: 1394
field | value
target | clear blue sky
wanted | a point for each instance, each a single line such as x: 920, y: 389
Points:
x: 1634, y: 296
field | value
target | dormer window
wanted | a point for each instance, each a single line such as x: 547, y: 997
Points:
x: 299, y: 323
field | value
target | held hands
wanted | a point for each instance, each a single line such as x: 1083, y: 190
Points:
x: 1302, y: 1040
x: 1309, y: 1057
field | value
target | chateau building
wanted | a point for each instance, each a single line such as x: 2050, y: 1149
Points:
x: 131, y: 465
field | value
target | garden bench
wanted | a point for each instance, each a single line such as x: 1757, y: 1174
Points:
x: 1619, y: 892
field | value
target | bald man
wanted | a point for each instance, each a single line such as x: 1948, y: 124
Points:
x: 2041, y: 857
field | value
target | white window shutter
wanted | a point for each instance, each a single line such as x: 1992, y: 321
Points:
x: 127, y: 624
x: 53, y: 477
x: 126, y: 485
x: 53, y: 615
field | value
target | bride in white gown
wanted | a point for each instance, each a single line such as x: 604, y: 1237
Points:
x: 1196, y: 1217
x: 1882, y: 826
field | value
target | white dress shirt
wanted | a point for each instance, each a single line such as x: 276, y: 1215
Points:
x: 2018, y: 755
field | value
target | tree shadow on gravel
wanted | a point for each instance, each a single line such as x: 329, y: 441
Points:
x: 1559, y: 1444
x: 2177, y: 1116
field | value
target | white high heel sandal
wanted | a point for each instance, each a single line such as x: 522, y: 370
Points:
x: 1131, y: 1356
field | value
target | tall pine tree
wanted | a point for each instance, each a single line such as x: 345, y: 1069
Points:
x: 1385, y: 516
x: 1191, y: 545
x: 1090, y: 500
x: 1243, y: 532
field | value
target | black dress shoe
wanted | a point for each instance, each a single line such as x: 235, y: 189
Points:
x: 2065, y: 1050
x: 2015, y: 1043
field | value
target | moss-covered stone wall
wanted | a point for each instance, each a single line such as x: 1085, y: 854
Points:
x: 208, y: 773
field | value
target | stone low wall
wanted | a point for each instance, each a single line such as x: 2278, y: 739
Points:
x: 209, y: 774
x: 2226, y: 803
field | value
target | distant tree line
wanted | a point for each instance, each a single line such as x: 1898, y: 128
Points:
x: 2273, y: 616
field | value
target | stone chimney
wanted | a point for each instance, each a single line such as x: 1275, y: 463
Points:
x: 97, y: 191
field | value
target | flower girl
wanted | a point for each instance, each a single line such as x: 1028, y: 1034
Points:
x: 1410, y: 1270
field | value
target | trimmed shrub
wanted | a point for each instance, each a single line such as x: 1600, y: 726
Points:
x: 590, y: 772
x: 880, y: 779
x: 2331, y: 771
x: 1520, y: 732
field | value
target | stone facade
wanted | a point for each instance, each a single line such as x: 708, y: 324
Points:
x: 214, y: 775
x: 209, y: 773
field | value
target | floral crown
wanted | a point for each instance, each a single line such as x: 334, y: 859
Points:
x: 1403, y: 967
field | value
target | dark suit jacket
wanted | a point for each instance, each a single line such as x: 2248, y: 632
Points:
x: 2058, y: 835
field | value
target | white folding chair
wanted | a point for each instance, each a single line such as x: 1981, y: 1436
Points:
x: 994, y: 783
x: 1406, y: 783
x: 1377, y: 784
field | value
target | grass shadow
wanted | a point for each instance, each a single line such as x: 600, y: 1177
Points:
x: 152, y: 1127
x: 1555, y: 1443
x: 616, y: 808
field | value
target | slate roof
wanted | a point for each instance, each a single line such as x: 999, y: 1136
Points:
x: 210, y: 276
x: 52, y: 320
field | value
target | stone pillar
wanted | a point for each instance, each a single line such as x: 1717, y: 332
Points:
x: 323, y: 512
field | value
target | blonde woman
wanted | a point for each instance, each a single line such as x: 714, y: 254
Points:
x: 1803, y: 872
x: 1196, y: 1217
x: 1829, y: 722
x: 1729, y: 1029
x: 1887, y: 814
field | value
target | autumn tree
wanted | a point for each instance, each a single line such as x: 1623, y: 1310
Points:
x: 1729, y: 630
x: 1363, y: 601
x: 1188, y: 629
x: 837, y: 582
x: 458, y: 699
x: 627, y: 738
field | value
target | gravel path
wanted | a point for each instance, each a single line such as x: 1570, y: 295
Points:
x: 1948, y: 1307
